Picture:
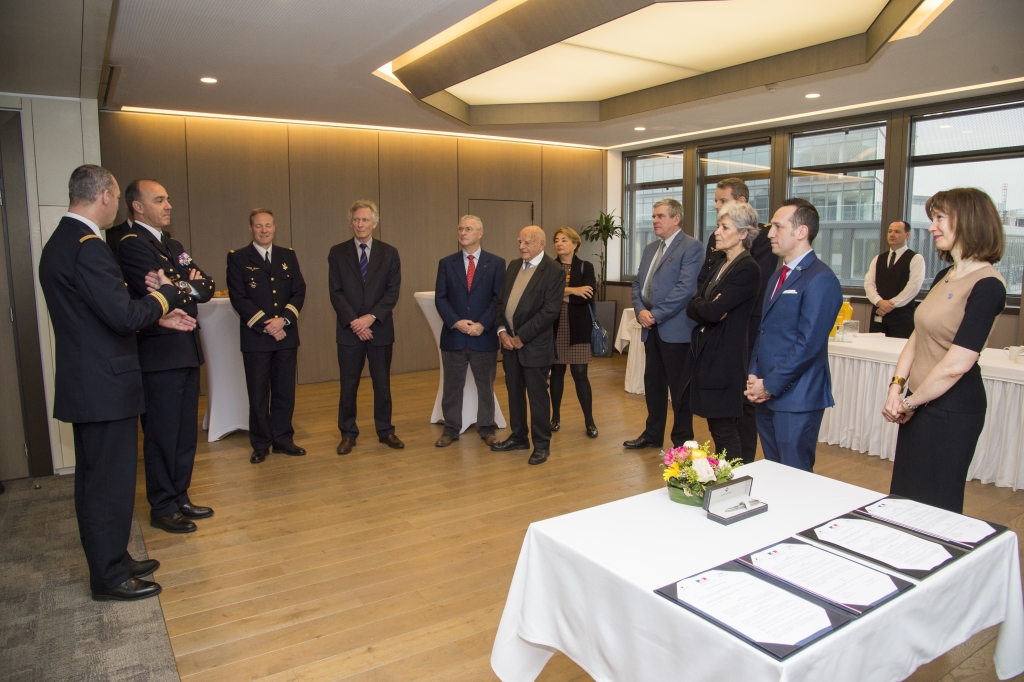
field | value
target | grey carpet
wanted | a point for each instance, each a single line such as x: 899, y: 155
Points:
x: 50, y: 628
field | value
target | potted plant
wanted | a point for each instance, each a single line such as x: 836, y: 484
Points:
x: 605, y: 227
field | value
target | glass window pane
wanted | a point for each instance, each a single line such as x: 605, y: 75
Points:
x: 735, y: 161
x: 968, y: 132
x: 850, y: 210
x: 759, y: 193
x: 839, y: 146
x: 641, y: 232
x: 1003, y: 180
x: 656, y: 167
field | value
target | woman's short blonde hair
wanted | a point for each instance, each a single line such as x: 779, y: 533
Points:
x: 570, y: 234
x: 744, y: 216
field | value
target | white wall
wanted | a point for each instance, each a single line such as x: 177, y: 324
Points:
x: 613, y: 203
x: 58, y: 134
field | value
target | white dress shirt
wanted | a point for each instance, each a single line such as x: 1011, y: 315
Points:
x: 264, y: 253
x: 92, y: 226
x: 359, y: 249
x: 909, y: 292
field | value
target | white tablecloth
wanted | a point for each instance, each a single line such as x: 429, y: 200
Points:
x: 585, y: 582
x: 227, y: 401
x: 469, y: 395
x: 861, y: 372
x: 629, y: 336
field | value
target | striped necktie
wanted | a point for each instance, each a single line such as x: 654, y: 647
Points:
x: 364, y: 262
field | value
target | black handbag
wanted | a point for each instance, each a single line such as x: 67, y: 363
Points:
x: 598, y: 335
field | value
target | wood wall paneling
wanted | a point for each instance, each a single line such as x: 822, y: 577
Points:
x: 330, y: 168
x: 419, y: 213
x: 234, y: 166
x: 499, y: 170
x: 573, y: 186
x: 146, y: 146
x: 502, y: 222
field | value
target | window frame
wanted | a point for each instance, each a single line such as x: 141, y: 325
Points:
x: 703, y: 181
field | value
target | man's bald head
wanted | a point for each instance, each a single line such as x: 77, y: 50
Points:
x: 531, y: 242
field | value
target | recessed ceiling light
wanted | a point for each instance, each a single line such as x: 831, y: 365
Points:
x: 207, y: 79
x: 812, y: 95
x: 640, y: 128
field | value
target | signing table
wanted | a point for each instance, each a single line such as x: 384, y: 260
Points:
x: 861, y: 372
x: 227, y: 401
x: 425, y: 299
x: 629, y: 335
x: 585, y: 582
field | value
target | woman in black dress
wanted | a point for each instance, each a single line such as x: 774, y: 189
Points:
x: 722, y: 310
x: 943, y: 413
x: 572, y: 329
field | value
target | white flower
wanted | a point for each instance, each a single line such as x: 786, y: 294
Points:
x: 705, y: 474
x: 691, y: 445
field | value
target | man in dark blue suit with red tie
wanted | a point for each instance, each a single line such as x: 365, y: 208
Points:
x: 789, y: 379
x: 466, y: 294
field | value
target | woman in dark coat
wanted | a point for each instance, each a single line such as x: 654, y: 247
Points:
x: 722, y: 310
x: 572, y: 329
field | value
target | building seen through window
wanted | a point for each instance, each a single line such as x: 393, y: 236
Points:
x: 751, y: 163
x: 648, y: 179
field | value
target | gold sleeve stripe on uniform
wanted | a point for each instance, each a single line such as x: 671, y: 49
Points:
x: 128, y: 235
x: 255, y: 318
x: 160, y: 298
x: 88, y: 236
x: 293, y: 309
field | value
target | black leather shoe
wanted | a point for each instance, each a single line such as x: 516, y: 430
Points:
x: 555, y: 425
x: 258, y: 456
x: 640, y: 443
x: 291, y: 449
x: 173, y: 523
x: 591, y: 431
x: 132, y: 589
x: 194, y: 511
x: 539, y: 456
x: 137, y: 569
x: 510, y: 443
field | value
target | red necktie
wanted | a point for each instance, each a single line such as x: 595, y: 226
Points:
x: 782, y: 280
x: 470, y: 271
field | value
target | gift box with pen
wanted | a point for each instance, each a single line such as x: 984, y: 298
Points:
x: 731, y: 501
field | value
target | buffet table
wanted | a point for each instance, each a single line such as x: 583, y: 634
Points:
x: 861, y: 372
x: 227, y: 400
x: 584, y: 585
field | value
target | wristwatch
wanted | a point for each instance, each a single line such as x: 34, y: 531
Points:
x: 183, y: 286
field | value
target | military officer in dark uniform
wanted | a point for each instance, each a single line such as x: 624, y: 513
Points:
x: 170, y: 360
x: 98, y: 382
x: 267, y: 291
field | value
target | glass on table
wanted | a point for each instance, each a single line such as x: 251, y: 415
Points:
x: 850, y: 330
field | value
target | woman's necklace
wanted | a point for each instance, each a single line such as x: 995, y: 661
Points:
x: 966, y: 270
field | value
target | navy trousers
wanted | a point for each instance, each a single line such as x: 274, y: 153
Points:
x: 789, y: 438
x: 169, y: 442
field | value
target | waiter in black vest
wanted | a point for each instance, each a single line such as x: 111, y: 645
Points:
x: 892, y: 283
x: 267, y: 291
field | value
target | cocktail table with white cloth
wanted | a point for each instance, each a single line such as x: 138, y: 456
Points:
x: 469, y: 395
x: 629, y: 335
x: 861, y: 372
x: 227, y: 400
x: 585, y: 582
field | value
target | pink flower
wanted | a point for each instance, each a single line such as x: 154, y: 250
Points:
x: 713, y: 461
x: 668, y: 457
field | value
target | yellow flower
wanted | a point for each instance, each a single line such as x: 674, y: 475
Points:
x: 698, y: 454
x: 671, y: 471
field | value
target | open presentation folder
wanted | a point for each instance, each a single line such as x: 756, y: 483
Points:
x: 772, y: 616
x: 899, y: 549
x: 940, y: 524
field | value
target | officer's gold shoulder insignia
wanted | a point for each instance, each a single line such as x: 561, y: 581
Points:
x: 87, y: 237
x: 128, y: 235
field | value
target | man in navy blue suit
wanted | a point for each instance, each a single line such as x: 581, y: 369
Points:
x: 789, y: 380
x: 664, y: 285
x: 468, y: 287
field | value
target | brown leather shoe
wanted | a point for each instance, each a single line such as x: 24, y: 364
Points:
x: 444, y: 441
x: 491, y: 439
x: 346, y: 445
x: 392, y: 441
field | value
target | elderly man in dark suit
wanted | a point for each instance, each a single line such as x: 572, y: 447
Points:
x: 170, y: 359
x: 98, y: 382
x: 531, y: 299
x: 664, y: 285
x: 365, y: 278
x: 267, y: 291
x: 466, y: 295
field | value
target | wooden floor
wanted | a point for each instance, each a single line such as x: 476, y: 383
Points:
x: 394, y: 565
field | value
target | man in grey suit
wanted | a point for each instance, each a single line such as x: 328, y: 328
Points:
x: 531, y: 299
x: 664, y: 285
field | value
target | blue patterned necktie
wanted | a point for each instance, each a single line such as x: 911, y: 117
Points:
x: 364, y: 263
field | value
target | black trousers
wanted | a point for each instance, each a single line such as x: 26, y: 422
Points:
x: 270, y: 383
x: 669, y: 366
x: 170, y: 428
x: 485, y: 367
x: 106, y: 457
x: 725, y: 433
x: 583, y: 392
x: 350, y: 362
x: 899, y: 324
x: 747, y: 429
x: 533, y: 381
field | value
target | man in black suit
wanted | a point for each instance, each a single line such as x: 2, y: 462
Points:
x: 530, y: 302
x: 267, y: 291
x: 734, y: 189
x: 98, y: 382
x: 114, y: 234
x: 365, y: 277
x: 170, y: 360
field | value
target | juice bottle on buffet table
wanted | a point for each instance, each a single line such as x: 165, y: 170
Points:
x: 846, y: 311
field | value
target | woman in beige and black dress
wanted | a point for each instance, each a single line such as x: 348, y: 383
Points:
x: 572, y: 329
x: 943, y: 413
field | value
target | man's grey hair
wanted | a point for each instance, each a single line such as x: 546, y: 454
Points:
x: 364, y: 203
x: 674, y: 207
x: 479, y: 223
x: 744, y: 217
x: 87, y: 183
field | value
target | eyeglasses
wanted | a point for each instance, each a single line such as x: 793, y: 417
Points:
x: 467, y: 229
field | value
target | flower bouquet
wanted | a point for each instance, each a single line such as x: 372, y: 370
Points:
x: 690, y: 468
